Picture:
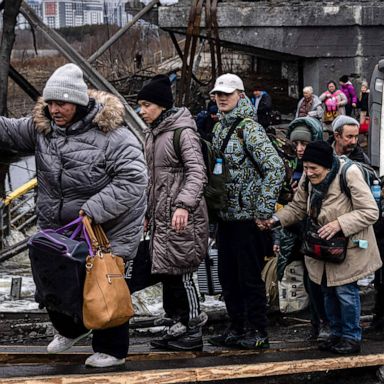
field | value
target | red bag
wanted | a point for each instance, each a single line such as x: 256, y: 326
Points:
x: 365, y: 125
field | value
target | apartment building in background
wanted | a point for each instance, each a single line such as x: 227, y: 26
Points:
x: 73, y: 13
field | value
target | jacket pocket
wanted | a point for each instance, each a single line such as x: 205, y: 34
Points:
x: 353, y: 239
x: 182, y: 246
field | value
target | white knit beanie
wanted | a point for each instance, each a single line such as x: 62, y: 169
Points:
x: 67, y: 84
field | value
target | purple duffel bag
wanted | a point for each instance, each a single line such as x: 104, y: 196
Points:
x: 58, y: 268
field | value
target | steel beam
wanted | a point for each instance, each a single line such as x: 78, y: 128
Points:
x: 135, y: 124
x: 121, y: 31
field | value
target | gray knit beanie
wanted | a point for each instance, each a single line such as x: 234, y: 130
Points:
x: 67, y: 84
x: 342, y: 120
x: 301, y: 133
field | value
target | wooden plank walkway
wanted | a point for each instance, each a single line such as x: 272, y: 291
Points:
x: 32, y: 365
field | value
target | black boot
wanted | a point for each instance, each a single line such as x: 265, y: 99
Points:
x: 254, y: 339
x: 192, y: 340
x: 229, y: 338
x: 346, y: 347
x: 173, y: 333
x: 327, y: 344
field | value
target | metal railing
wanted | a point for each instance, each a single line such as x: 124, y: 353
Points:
x: 17, y: 210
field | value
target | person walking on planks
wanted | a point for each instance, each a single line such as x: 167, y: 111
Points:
x: 88, y: 162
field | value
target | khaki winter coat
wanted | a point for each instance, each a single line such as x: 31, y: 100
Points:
x: 356, y: 217
x: 174, y: 185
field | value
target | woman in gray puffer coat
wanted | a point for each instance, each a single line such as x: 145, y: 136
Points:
x: 177, y: 213
x: 88, y: 162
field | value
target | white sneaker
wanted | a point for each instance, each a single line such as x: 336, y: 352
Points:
x: 61, y: 343
x: 102, y: 360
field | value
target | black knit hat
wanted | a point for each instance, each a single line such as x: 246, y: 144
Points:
x: 158, y: 91
x: 344, y: 79
x: 319, y: 152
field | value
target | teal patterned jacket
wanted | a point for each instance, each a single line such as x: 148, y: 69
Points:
x: 249, y: 195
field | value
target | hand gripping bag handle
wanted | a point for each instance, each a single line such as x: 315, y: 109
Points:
x: 77, y: 222
x: 79, y: 225
x: 95, y: 234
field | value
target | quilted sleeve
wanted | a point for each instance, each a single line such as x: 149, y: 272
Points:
x: 195, y: 173
x: 18, y: 134
x: 126, y: 192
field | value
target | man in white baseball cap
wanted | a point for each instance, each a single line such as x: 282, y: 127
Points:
x: 256, y: 173
x: 228, y: 83
x: 228, y: 90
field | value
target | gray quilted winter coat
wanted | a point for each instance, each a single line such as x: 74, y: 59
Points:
x: 96, y: 165
x: 174, y: 185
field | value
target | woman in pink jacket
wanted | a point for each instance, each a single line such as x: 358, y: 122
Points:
x: 334, y: 101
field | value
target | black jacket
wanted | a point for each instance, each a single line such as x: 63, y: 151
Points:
x: 356, y: 155
x: 264, y: 109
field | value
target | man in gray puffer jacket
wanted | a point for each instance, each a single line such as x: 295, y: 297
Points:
x: 89, y: 163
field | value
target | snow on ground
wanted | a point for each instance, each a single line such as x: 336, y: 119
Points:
x: 147, y: 302
x: 162, y: 2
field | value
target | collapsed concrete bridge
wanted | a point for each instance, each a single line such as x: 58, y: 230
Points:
x: 316, y: 41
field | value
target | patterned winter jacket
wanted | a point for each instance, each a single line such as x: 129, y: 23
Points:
x: 250, y: 195
x: 96, y: 164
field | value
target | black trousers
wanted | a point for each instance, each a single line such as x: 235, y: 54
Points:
x: 316, y: 301
x: 241, y: 248
x: 180, y: 296
x: 348, y: 109
x: 379, y: 282
x: 112, y: 341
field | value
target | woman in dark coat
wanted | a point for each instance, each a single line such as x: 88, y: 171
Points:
x: 177, y: 216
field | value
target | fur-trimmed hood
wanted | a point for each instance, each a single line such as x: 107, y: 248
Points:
x: 109, y: 117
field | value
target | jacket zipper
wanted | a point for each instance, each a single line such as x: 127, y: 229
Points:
x: 61, y: 191
x: 60, y: 186
x: 152, y: 220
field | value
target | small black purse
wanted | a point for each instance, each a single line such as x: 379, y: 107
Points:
x: 333, y: 250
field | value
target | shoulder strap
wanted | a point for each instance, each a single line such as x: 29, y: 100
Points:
x: 177, y: 135
x: 343, y: 178
x: 176, y: 143
x: 229, y: 134
x: 365, y: 169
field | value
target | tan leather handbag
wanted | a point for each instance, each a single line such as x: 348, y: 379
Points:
x: 106, y: 298
x: 329, y: 116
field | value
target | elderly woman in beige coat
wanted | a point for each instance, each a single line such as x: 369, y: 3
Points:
x: 319, y: 196
x: 177, y: 216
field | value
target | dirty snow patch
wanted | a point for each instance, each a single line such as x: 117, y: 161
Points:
x: 162, y: 2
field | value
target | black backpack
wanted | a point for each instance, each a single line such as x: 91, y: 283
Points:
x: 367, y: 171
x: 286, y: 152
x: 214, y: 192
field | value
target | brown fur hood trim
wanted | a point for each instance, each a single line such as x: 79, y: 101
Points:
x: 110, y: 116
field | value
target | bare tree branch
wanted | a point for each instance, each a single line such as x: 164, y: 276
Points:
x: 11, y: 10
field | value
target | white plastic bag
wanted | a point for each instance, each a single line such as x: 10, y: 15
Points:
x: 292, y: 294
